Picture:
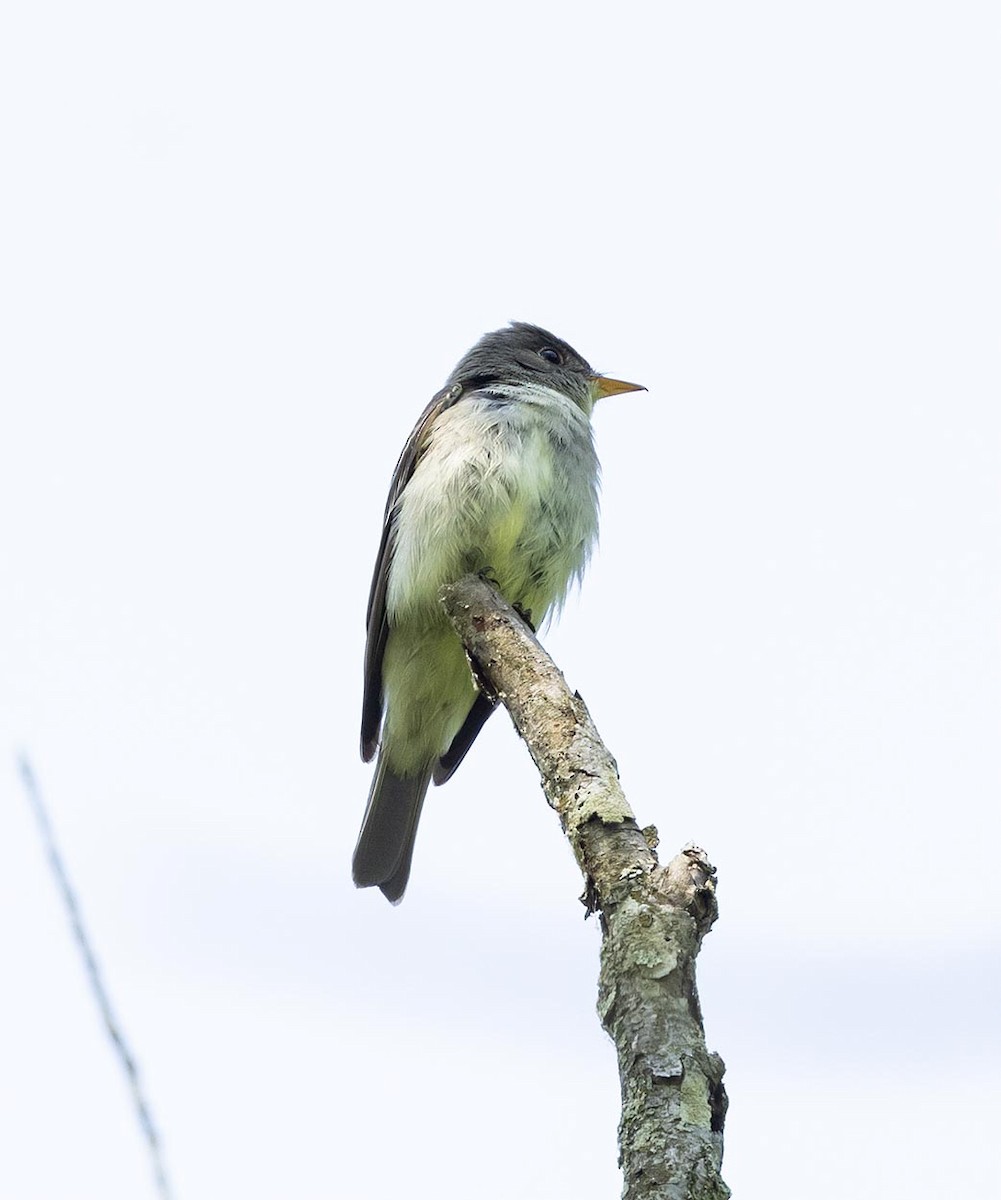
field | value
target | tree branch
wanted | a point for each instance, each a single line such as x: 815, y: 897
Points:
x: 653, y: 917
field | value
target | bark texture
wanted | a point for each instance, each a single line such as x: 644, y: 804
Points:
x: 653, y: 917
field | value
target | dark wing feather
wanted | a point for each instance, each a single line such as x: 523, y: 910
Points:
x: 376, y: 621
x: 446, y: 766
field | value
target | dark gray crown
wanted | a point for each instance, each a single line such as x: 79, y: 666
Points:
x: 522, y: 353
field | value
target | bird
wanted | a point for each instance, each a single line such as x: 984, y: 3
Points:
x: 499, y: 477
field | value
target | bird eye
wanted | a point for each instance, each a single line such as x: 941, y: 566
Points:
x: 550, y: 355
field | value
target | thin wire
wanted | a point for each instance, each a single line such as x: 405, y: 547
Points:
x: 111, y: 1024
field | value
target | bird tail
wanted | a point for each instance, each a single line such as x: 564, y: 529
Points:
x: 386, y: 842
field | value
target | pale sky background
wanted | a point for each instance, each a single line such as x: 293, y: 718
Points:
x: 242, y: 246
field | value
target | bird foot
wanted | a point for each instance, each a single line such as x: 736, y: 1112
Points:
x: 525, y: 614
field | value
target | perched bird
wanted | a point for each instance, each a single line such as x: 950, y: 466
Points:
x: 499, y: 476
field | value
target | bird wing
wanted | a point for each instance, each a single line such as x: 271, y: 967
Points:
x: 377, y: 623
x: 447, y: 765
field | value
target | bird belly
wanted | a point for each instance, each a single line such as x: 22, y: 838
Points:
x: 497, y: 499
x: 542, y: 530
x: 493, y: 493
x: 429, y: 691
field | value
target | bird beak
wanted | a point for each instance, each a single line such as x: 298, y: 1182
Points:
x: 603, y: 386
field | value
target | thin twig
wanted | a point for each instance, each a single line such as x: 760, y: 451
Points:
x: 111, y: 1023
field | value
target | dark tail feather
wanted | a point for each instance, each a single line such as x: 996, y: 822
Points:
x: 386, y: 842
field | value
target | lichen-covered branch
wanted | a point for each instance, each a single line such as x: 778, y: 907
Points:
x: 653, y: 917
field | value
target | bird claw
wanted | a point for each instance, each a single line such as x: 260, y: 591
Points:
x: 525, y: 614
